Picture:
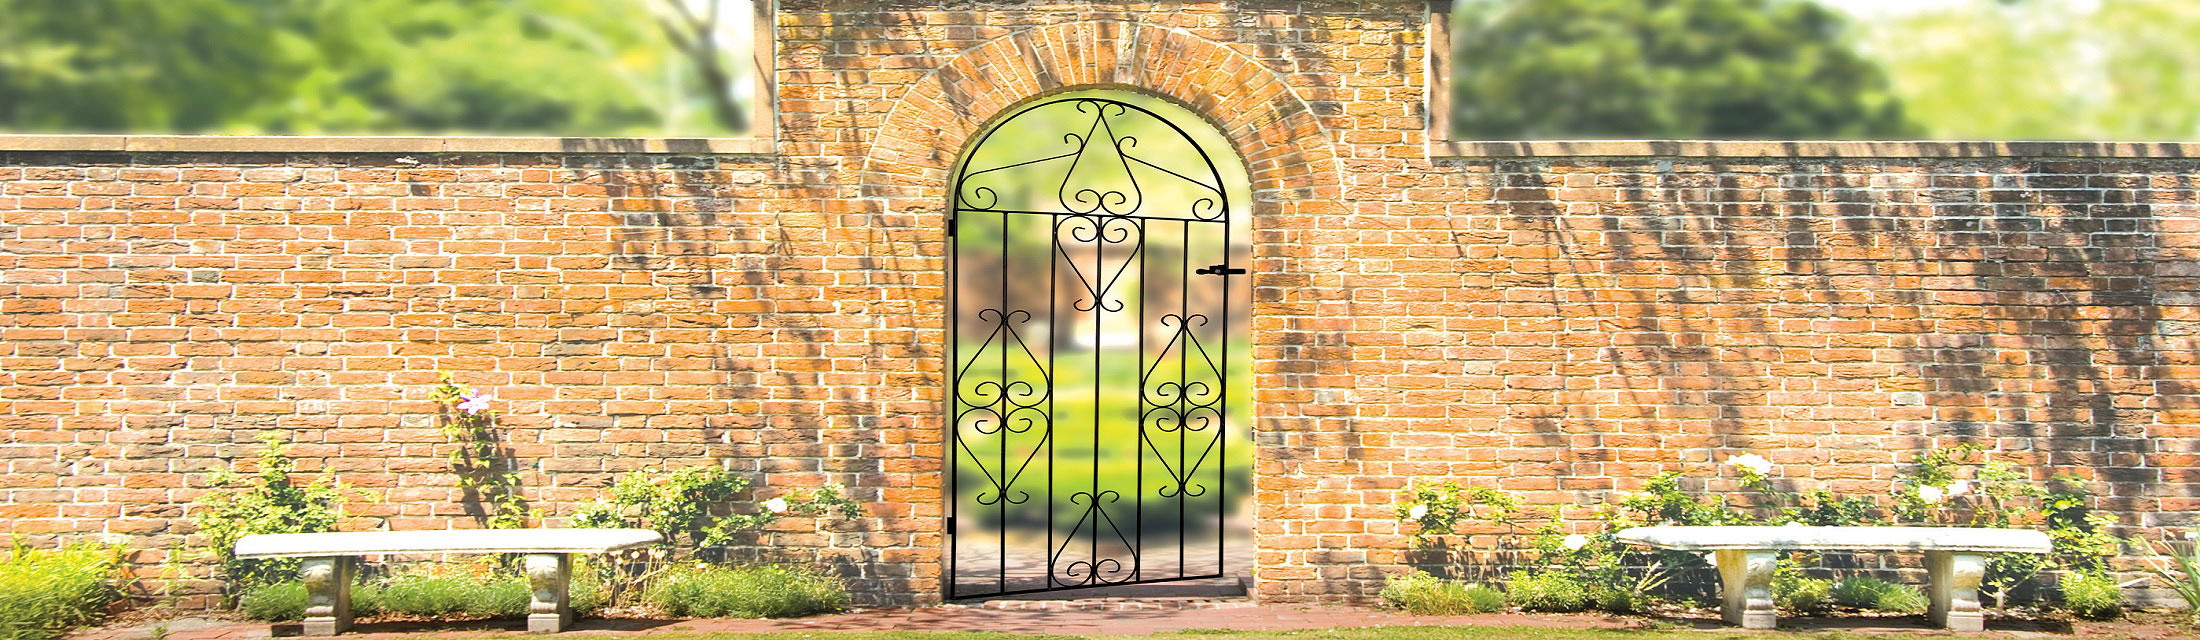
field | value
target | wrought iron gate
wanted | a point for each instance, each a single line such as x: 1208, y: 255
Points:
x: 1089, y: 251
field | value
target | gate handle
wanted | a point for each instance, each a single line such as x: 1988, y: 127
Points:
x: 1219, y: 270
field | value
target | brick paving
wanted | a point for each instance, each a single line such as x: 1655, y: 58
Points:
x: 1077, y: 618
x: 1124, y: 617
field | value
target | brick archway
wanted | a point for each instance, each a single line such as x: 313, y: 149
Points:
x: 1286, y: 151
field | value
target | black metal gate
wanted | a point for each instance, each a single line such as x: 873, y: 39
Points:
x: 1089, y: 324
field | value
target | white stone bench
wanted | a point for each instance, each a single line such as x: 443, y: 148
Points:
x: 331, y: 561
x: 1955, y: 558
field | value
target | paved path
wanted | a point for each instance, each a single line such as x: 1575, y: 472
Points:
x: 949, y: 618
x: 1078, y: 622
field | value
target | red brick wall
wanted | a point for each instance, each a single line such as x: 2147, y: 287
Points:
x: 1563, y: 325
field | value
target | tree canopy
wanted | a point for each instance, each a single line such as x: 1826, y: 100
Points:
x: 601, y: 67
x: 1529, y: 69
x: 2047, y: 69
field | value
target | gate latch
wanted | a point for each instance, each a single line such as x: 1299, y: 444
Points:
x: 1219, y: 270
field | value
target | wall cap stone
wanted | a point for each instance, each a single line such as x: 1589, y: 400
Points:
x: 384, y: 144
x: 1808, y: 149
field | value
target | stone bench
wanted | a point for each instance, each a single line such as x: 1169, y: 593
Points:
x: 1955, y: 558
x: 331, y: 561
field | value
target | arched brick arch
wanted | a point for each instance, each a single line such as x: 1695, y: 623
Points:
x: 1287, y: 152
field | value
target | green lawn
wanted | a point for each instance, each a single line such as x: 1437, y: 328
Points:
x: 1366, y: 633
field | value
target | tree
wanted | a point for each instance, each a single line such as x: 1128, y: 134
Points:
x: 2047, y: 69
x: 568, y: 67
x: 1527, y: 69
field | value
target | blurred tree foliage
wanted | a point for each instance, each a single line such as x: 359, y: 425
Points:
x: 2048, y: 69
x: 1530, y: 69
x: 601, y: 67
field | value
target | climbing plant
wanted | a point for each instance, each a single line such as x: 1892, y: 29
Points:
x: 485, y: 473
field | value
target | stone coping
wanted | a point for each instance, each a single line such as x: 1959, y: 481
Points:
x: 1808, y: 149
x: 383, y: 144
x: 1960, y: 539
x: 1437, y: 149
x: 309, y: 545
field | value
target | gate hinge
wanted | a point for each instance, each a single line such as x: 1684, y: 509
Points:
x: 951, y: 524
x: 951, y: 227
x: 1219, y: 270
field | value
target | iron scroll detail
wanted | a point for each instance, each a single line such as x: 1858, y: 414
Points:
x: 1098, y: 193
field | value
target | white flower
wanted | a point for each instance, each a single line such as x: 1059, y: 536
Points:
x: 1417, y: 511
x: 1930, y: 494
x: 1753, y: 462
x: 2192, y: 535
x: 1576, y: 541
x: 473, y: 403
x: 776, y: 505
x: 1958, y: 488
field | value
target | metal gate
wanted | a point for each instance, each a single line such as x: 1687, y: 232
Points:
x: 1089, y: 327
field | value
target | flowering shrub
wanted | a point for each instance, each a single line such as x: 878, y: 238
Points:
x: 696, y: 503
x: 1952, y: 486
x: 267, y: 501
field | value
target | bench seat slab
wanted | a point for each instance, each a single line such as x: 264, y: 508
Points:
x: 1959, y: 539
x: 314, y: 545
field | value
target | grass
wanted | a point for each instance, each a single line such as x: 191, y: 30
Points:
x: 1364, y: 633
x: 1865, y: 592
x: 746, y: 592
x: 1424, y: 594
x: 45, y: 593
x: 2093, y: 596
x: 424, y: 594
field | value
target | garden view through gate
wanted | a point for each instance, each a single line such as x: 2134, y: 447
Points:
x: 1092, y: 410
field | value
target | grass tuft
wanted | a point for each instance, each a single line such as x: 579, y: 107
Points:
x: 1550, y: 591
x: 2093, y: 596
x: 1872, y: 593
x: 428, y: 594
x: 44, y: 593
x: 1801, y: 594
x: 1424, y: 594
x: 765, y: 591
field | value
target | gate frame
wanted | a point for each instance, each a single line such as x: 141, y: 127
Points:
x: 1231, y: 229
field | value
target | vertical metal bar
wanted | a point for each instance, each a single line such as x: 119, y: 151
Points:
x: 1099, y: 363
x: 1138, y: 560
x: 1054, y: 266
x: 1184, y: 395
x: 1222, y: 415
x: 954, y: 357
x: 1002, y: 402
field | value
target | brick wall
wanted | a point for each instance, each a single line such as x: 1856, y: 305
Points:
x: 1558, y: 319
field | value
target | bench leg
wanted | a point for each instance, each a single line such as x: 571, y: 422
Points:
x: 1746, y: 583
x: 551, y: 610
x: 1954, y: 589
x: 328, y: 594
